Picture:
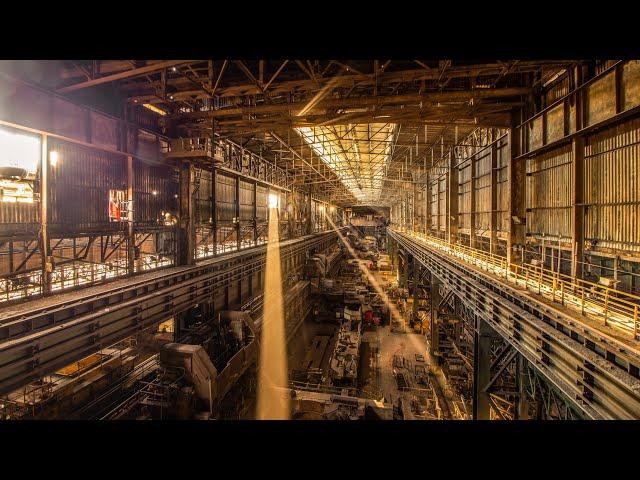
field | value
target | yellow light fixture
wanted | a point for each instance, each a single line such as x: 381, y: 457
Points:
x: 155, y: 109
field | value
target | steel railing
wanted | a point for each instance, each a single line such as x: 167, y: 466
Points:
x: 616, y: 308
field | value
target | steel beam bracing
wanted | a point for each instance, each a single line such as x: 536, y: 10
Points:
x: 595, y: 372
x: 50, y: 335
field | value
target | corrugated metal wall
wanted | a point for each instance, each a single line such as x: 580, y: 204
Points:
x: 246, y: 201
x: 203, y: 198
x: 261, y: 203
x: 225, y: 198
x: 483, y: 192
x: 549, y: 192
x: 612, y: 187
x: 464, y: 196
x: 502, y: 185
x: 434, y: 203
x: 79, y: 187
x: 155, y: 190
x: 442, y: 203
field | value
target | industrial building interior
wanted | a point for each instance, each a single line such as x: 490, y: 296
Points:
x: 331, y: 239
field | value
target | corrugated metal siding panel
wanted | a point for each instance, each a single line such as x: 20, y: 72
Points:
x: 612, y: 187
x: 464, y: 195
x: 434, y: 204
x: 601, y: 99
x: 13, y: 216
x: 549, y: 192
x: 225, y: 197
x: 483, y: 192
x: 442, y: 203
x: 80, y: 184
x: 502, y: 186
x: 559, y: 89
x: 246, y: 200
x: 631, y: 84
x: 149, y: 178
x: 261, y: 203
x: 147, y: 146
x: 203, y: 198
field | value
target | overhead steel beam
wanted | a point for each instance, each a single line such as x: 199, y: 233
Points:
x: 354, y: 102
x: 122, y: 75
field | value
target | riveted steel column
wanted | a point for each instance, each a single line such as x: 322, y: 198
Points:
x: 481, y: 369
x: 516, y: 174
x: 186, y: 231
x: 45, y: 247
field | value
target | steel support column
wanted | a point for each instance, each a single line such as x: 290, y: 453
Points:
x: 309, y: 220
x: 131, y: 238
x: 45, y: 247
x: 214, y: 211
x: 481, y: 369
x: 434, y: 324
x: 416, y: 282
x: 516, y: 174
x: 255, y: 213
x: 237, y: 213
x: 577, y: 210
x: 404, y: 276
x: 522, y: 405
x: 186, y: 232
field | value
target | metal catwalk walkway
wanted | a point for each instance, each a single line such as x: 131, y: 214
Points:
x: 597, y: 371
x: 41, y: 336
